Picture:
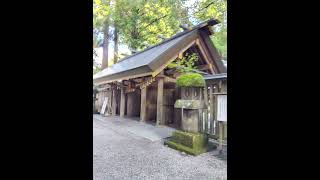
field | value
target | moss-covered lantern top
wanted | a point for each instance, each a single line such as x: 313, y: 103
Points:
x: 191, y: 80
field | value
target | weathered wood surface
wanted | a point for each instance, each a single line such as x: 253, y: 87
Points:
x: 168, y: 106
x: 151, y: 103
x: 100, y: 98
x: 212, y: 52
x: 143, y: 108
x: 160, y: 102
x: 133, y: 104
x: 122, y: 102
x: 114, y: 102
x: 212, y: 107
x: 177, y: 112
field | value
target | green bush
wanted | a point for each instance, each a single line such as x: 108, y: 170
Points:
x: 191, y: 80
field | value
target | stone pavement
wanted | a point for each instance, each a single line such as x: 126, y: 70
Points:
x: 127, y: 149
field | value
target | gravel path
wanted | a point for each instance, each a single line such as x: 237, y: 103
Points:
x: 121, y: 155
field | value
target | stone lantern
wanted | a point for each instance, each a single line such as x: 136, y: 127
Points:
x: 190, y: 104
x: 190, y: 139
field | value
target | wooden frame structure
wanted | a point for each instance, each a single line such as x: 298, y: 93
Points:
x: 215, y: 85
x: 142, y: 85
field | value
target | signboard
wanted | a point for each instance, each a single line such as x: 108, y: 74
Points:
x: 104, y: 106
x: 222, y: 108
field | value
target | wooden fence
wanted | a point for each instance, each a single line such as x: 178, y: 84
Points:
x: 208, y: 116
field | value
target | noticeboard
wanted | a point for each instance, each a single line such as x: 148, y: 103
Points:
x: 222, y: 108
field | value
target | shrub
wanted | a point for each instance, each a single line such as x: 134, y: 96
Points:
x: 191, y: 80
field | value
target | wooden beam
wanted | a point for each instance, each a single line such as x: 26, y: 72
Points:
x: 212, y: 52
x: 167, y: 78
x: 122, y: 102
x: 143, y: 109
x: 160, y: 102
x: 205, y: 54
x: 101, y: 81
x: 211, y: 31
x: 184, y: 27
x: 204, y: 67
x: 157, y: 71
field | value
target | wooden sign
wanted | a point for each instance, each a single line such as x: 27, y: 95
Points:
x: 222, y: 108
x: 104, y: 106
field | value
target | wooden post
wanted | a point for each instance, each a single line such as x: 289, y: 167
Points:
x: 205, y: 117
x: 143, y: 109
x: 122, y: 102
x: 205, y: 94
x: 225, y: 125
x: 216, y: 132
x: 160, y: 102
x: 211, y: 109
x: 220, y: 135
x: 114, y: 103
x: 200, y: 124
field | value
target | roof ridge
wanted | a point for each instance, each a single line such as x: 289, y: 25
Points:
x: 210, y: 22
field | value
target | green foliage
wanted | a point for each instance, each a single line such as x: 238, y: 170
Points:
x: 203, y: 10
x: 140, y: 21
x: 185, y: 64
x: 96, y: 69
x: 191, y: 80
x: 215, y: 9
x: 101, y: 12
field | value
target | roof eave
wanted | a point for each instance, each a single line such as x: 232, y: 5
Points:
x: 125, y: 75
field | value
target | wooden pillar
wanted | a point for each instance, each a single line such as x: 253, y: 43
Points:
x: 160, y: 102
x: 205, y: 94
x: 130, y: 104
x: 114, y: 102
x: 143, y: 109
x: 216, y: 132
x: 212, y: 114
x: 122, y: 102
x: 220, y: 124
x: 205, y: 116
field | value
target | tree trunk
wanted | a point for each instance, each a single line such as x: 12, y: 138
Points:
x: 115, y: 59
x: 105, y: 45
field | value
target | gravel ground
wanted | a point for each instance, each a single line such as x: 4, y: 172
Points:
x: 121, y: 155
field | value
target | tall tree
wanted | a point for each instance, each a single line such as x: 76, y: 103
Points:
x: 115, y: 10
x: 116, y: 43
x: 101, y: 15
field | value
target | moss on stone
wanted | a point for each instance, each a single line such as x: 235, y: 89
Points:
x: 191, y: 143
x: 188, y: 104
x: 185, y: 149
x: 191, y: 80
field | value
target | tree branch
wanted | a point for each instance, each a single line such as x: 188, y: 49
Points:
x: 155, y: 20
x: 205, y: 7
